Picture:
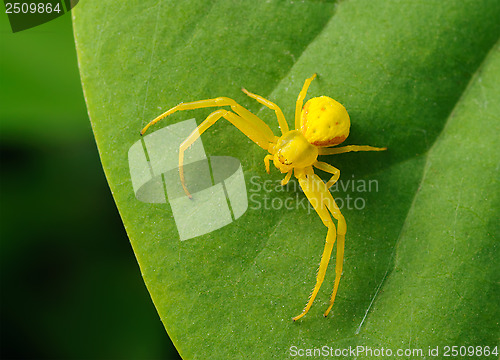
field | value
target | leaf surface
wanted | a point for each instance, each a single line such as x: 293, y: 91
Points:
x: 418, y: 77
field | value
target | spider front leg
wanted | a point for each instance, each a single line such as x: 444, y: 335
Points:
x: 253, y: 121
x: 239, y: 122
x: 248, y: 123
x: 267, y: 159
x: 324, y: 204
x: 279, y: 114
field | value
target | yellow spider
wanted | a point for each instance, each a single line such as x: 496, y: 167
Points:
x: 320, y: 124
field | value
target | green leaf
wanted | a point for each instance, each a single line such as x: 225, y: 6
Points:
x: 421, y: 78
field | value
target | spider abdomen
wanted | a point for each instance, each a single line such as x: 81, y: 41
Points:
x: 324, y: 121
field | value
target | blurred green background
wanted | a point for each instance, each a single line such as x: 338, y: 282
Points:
x: 70, y: 285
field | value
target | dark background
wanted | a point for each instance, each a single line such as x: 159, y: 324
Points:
x: 70, y: 285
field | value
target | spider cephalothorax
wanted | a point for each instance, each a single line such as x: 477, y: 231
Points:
x: 319, y: 125
x: 292, y: 150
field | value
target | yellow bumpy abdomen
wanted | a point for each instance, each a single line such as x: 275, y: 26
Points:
x: 324, y: 121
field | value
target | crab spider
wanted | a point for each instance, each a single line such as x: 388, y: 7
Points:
x: 319, y: 125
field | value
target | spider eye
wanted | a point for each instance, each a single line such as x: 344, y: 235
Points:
x: 283, y: 160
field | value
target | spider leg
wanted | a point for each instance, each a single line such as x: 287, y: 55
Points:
x: 338, y: 270
x: 342, y: 229
x: 349, y: 148
x: 329, y: 169
x: 266, y: 162
x: 287, y: 178
x: 241, y: 124
x: 300, y: 101
x: 324, y: 204
x: 253, y: 120
x: 279, y: 114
